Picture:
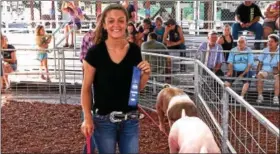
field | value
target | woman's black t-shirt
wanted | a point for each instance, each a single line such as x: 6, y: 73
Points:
x: 112, y: 81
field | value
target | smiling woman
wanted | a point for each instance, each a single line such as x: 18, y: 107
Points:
x: 109, y: 66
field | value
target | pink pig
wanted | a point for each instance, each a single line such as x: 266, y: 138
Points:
x: 191, y: 135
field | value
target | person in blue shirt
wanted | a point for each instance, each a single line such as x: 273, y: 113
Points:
x: 159, y: 29
x: 240, y: 61
x: 269, y: 67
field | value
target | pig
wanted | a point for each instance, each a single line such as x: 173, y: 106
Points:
x: 177, y: 104
x: 162, y: 104
x: 191, y: 135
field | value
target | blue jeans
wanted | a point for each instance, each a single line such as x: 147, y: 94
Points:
x: 108, y: 134
x: 256, y: 28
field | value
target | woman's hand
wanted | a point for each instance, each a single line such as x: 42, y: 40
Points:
x: 87, y: 127
x: 144, y: 66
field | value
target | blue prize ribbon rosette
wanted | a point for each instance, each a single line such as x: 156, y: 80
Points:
x: 134, y: 89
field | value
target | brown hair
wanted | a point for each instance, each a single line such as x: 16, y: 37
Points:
x: 159, y: 19
x: 38, y: 28
x: 100, y: 33
x: 274, y: 37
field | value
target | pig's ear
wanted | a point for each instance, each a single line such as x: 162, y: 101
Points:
x: 166, y: 86
x: 183, y: 114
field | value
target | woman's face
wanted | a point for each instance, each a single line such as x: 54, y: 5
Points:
x: 272, y: 44
x: 42, y: 31
x: 241, y: 43
x: 130, y: 29
x: 115, y: 24
x: 4, y: 42
x: 158, y: 23
x: 227, y: 31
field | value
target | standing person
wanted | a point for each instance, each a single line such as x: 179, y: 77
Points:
x: 130, y: 10
x: 42, y: 42
x: 9, y: 59
x: 226, y: 40
x: 109, y: 66
x: 88, y: 41
x: 159, y: 29
x: 247, y: 16
x: 76, y: 16
x: 269, y: 67
x: 240, y: 63
x: 271, y: 18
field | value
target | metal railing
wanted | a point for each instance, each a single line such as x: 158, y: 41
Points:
x: 234, y: 121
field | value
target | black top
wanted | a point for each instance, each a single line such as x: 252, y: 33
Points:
x: 141, y: 30
x: 227, y: 45
x: 174, y: 36
x: 248, y: 13
x: 130, y: 8
x: 112, y: 81
x: 8, y: 54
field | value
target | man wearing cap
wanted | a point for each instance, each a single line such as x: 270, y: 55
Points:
x: 247, y: 16
x: 173, y: 36
x: 210, y: 53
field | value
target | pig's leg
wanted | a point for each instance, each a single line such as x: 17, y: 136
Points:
x: 160, y: 114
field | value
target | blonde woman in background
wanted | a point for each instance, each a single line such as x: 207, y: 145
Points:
x: 42, y: 42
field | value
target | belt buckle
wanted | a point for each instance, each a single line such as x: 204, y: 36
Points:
x: 113, y: 114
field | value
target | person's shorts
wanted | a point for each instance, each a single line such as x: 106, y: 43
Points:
x: 270, y: 24
x: 14, y: 67
x: 42, y: 56
x: 266, y: 75
x: 237, y: 73
x: 78, y: 25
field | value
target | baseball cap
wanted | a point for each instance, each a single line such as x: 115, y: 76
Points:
x: 170, y: 22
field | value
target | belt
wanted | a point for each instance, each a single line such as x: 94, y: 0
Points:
x: 118, y: 116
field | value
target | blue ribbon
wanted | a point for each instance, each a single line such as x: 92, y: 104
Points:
x: 134, y: 88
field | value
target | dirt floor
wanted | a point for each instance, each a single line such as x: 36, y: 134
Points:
x: 55, y: 128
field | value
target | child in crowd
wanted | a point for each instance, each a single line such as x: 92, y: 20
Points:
x: 42, y: 42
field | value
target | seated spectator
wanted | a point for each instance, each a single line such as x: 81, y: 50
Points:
x: 132, y: 34
x: 42, y: 41
x: 271, y: 18
x: 76, y: 16
x: 130, y: 10
x: 9, y: 59
x: 269, y: 67
x: 159, y: 29
x: 87, y: 41
x: 240, y: 64
x: 247, y: 16
x: 173, y: 35
x: 226, y: 40
x: 145, y: 29
x: 152, y: 43
x: 160, y: 64
x: 210, y: 53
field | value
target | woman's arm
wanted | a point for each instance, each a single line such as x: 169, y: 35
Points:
x: 145, y: 74
x: 86, y: 93
x: 13, y: 58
